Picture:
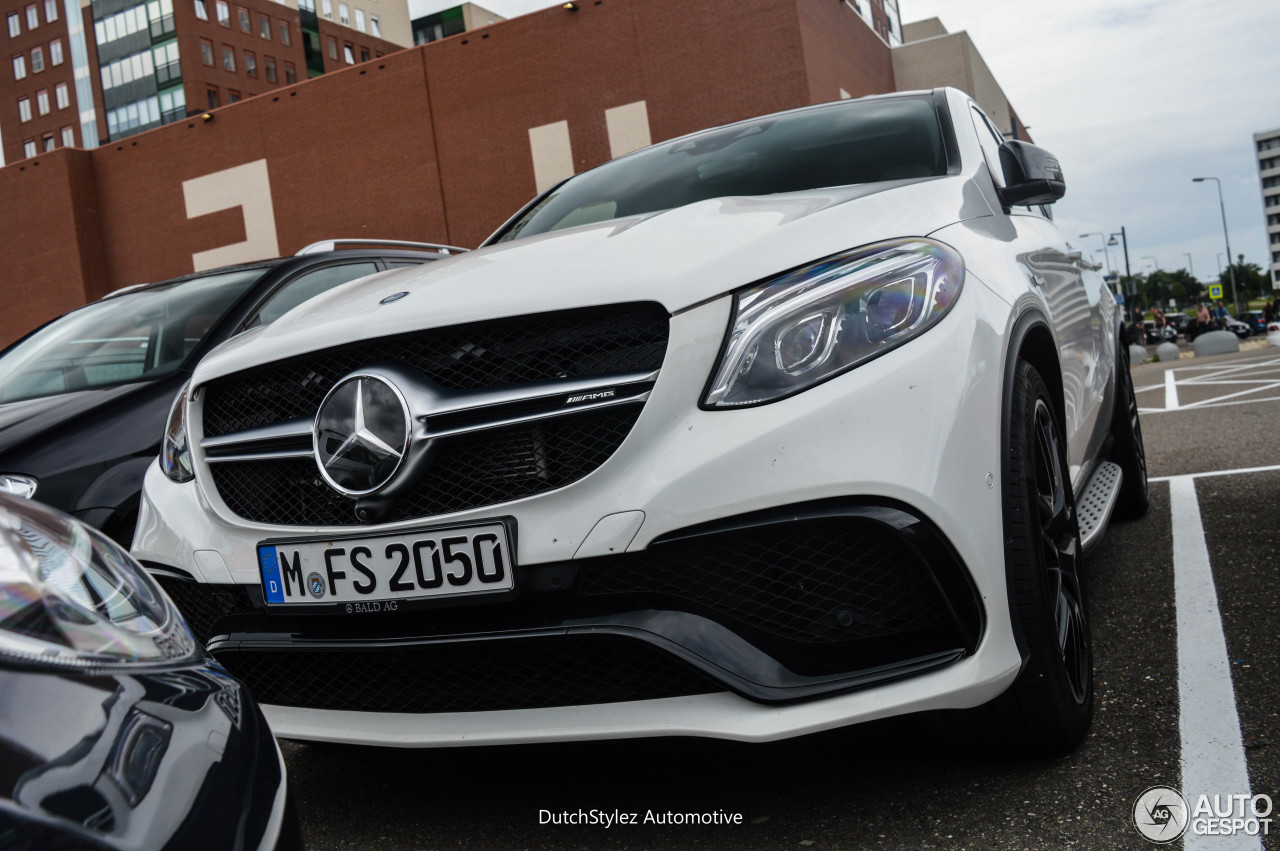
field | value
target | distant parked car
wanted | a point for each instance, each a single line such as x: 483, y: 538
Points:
x: 1166, y: 334
x: 1179, y: 322
x: 1235, y: 326
x: 83, y: 399
x: 119, y: 731
x: 1255, y: 319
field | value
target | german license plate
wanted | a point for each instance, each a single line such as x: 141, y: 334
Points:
x: 411, y: 565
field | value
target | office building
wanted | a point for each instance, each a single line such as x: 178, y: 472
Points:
x: 453, y: 21
x: 82, y: 74
x: 1267, y: 147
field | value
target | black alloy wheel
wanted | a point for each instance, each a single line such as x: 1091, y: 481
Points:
x: 1127, y: 449
x: 1049, y: 707
x: 1060, y: 542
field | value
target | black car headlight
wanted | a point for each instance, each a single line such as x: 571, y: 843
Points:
x: 175, y: 451
x: 72, y: 598
x: 825, y: 318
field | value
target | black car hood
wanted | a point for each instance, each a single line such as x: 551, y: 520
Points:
x: 22, y: 420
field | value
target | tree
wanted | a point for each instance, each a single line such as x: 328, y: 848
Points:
x: 1250, y: 282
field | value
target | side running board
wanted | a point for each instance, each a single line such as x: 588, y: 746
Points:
x: 1094, y: 506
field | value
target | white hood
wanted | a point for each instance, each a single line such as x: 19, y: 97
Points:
x: 678, y: 258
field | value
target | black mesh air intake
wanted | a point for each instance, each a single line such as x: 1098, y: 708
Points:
x: 815, y: 581
x: 485, y: 675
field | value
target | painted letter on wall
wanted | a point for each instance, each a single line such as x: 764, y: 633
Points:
x: 247, y: 187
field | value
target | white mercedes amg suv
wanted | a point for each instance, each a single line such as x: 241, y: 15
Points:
x: 781, y: 426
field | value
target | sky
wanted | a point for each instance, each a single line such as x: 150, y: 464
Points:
x: 1135, y: 97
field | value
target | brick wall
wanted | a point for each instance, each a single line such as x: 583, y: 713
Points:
x: 431, y: 143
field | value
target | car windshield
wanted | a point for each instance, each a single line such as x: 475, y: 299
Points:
x: 137, y: 336
x: 838, y: 145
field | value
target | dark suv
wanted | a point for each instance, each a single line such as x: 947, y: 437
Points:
x: 83, y: 399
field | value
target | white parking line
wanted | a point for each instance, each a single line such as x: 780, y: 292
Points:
x: 1256, y: 376
x: 1211, y: 474
x: 1213, y: 760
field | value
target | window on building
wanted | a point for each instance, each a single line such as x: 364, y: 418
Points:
x: 375, y: 27
x: 68, y: 137
x: 348, y: 55
x: 326, y: 7
x: 250, y: 63
x: 284, y: 33
x: 19, y: 67
x: 360, y: 20
x: 290, y: 73
x: 15, y: 25
x: 42, y: 101
x: 51, y: 10
x: 55, y: 52
x: 61, y: 96
x: 232, y: 96
x: 344, y: 14
x: 246, y: 23
x: 49, y: 143
x: 206, y: 51
x: 224, y: 13
x: 364, y: 54
x: 37, y: 60
x: 264, y: 27
x: 24, y: 109
x: 29, y: 148
x: 202, y: 12
x: 33, y: 17
x: 269, y: 68
x: 333, y: 48
x: 228, y: 58
x: 212, y: 92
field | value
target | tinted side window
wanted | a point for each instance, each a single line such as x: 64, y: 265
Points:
x: 308, y: 286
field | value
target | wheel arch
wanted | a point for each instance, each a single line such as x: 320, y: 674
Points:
x: 1031, y: 339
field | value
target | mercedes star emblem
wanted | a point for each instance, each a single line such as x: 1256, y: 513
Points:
x: 361, y: 434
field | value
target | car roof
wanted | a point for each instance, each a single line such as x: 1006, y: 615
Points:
x: 317, y: 258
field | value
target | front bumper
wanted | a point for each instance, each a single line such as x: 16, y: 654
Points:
x: 916, y: 430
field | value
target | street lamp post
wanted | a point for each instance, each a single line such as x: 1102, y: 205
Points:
x: 1225, y: 235
x: 1105, y: 253
x: 1124, y: 238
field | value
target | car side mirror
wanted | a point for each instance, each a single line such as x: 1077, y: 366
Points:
x: 1032, y: 175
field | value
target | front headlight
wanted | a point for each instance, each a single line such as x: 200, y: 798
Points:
x: 23, y: 487
x: 175, y: 452
x: 823, y: 319
x: 71, y: 598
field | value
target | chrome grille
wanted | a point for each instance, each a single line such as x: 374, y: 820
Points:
x: 471, y: 471
x: 594, y: 341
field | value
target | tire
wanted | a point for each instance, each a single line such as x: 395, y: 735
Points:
x: 1127, y: 448
x: 1048, y: 709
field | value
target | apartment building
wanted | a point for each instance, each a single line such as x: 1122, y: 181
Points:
x: 1267, y: 147
x: 83, y: 73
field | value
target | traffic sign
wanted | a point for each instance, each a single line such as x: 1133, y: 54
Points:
x: 1215, y: 291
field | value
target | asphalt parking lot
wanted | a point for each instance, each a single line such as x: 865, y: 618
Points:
x: 1186, y: 697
